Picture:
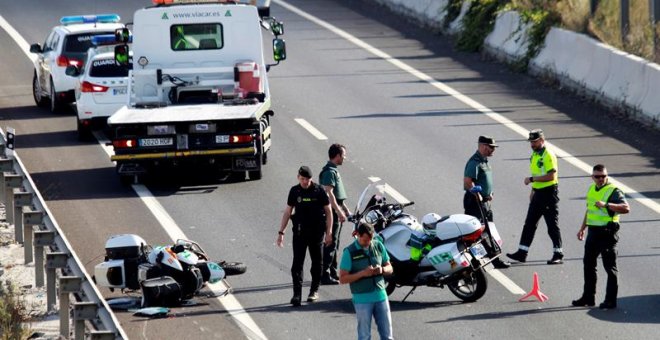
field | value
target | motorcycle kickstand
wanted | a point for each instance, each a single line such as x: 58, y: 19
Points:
x: 410, y: 292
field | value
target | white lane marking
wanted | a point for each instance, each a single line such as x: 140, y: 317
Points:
x: 506, y: 282
x: 388, y: 189
x: 634, y: 194
x: 311, y: 129
x: 229, y: 302
x: 22, y: 43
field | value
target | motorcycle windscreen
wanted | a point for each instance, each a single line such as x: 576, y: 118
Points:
x: 446, y: 258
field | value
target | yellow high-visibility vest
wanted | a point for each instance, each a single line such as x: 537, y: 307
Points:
x: 599, y: 217
x: 539, y: 164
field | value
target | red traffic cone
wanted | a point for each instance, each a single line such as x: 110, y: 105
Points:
x: 536, y: 291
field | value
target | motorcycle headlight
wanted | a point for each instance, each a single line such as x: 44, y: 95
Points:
x: 372, y: 217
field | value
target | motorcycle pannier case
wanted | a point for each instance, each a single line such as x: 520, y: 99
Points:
x: 162, y: 291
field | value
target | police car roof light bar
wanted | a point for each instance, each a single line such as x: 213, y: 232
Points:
x: 90, y: 19
x: 108, y: 39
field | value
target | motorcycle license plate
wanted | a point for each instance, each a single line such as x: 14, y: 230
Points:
x: 478, y: 251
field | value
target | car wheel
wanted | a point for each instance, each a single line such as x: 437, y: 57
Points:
x: 37, y: 92
x: 54, y: 103
x: 84, y: 132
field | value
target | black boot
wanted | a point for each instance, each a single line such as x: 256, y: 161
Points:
x: 500, y: 264
x: 295, y: 300
x: 520, y: 256
x: 557, y: 258
x: 581, y: 302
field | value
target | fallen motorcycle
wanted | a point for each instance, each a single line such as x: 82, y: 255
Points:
x: 451, y: 246
x: 166, y: 275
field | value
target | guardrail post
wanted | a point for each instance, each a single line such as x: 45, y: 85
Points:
x: 68, y: 285
x: 6, y: 165
x: 12, y: 181
x: 54, y: 261
x: 102, y: 335
x: 30, y: 218
x: 41, y: 239
x: 21, y: 199
x: 83, y: 311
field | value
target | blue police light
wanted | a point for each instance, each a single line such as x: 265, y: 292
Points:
x: 90, y: 19
x: 108, y: 39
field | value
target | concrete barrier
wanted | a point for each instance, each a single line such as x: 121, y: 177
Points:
x: 580, y: 67
x: 625, y: 81
x: 509, y: 40
x: 649, y: 106
x: 456, y: 26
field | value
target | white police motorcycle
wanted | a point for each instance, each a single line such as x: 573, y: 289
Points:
x: 454, y: 255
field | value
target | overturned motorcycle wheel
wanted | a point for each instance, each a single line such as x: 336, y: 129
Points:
x: 470, y: 286
x: 233, y: 268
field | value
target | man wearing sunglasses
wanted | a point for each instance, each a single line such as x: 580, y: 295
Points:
x: 605, y: 202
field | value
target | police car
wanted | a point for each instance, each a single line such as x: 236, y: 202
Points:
x: 100, y: 89
x: 66, y: 45
x: 262, y: 5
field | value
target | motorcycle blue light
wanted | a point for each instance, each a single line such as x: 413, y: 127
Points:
x: 88, y: 19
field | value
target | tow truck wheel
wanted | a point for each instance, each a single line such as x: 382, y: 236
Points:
x: 38, y: 96
x: 84, y: 132
x: 255, y: 175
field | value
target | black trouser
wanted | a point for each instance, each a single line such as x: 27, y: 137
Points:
x: 301, y: 243
x: 601, y: 241
x: 471, y: 206
x: 330, y: 251
x: 545, y: 202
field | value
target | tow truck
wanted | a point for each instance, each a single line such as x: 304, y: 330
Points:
x: 198, y: 89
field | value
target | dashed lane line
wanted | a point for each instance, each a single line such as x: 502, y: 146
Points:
x: 311, y: 129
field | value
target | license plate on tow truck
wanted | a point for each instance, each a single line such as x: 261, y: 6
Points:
x: 156, y: 141
x: 478, y: 251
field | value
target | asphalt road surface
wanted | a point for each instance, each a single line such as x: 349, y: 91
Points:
x: 409, y: 108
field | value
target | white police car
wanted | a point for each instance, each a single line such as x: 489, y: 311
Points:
x: 66, y: 45
x: 262, y: 5
x: 100, y: 90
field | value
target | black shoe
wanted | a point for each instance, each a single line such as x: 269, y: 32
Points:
x: 581, y: 302
x: 520, y: 256
x: 327, y: 280
x: 557, y: 258
x: 313, y: 297
x: 295, y: 300
x: 499, y: 264
x: 607, y: 305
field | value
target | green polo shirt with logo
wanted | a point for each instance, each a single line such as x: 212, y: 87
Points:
x: 330, y: 176
x: 480, y: 171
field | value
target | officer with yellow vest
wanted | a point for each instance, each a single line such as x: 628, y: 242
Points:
x: 604, y: 204
x: 544, y: 199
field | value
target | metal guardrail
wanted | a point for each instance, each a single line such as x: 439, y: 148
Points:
x: 36, y: 228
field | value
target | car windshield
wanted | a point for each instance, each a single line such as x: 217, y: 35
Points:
x: 79, y: 43
x: 107, y: 68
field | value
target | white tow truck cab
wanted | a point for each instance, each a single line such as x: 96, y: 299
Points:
x: 198, y: 90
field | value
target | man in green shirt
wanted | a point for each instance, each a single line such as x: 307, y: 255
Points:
x: 331, y: 181
x: 479, y: 172
x: 364, y: 264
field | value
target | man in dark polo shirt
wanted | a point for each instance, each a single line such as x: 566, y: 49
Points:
x: 479, y: 172
x: 308, y: 208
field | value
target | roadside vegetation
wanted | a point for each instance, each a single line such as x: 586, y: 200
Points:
x: 13, y: 313
x: 574, y: 15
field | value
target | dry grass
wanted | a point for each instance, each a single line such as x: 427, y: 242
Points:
x: 605, y: 25
x: 13, y: 314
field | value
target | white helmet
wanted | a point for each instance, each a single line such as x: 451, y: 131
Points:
x: 429, y: 221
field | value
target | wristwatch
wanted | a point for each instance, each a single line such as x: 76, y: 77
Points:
x: 531, y: 178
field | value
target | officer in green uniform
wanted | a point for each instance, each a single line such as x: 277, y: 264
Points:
x: 479, y: 172
x: 604, y: 204
x: 331, y: 181
x: 544, y: 199
x: 364, y: 264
